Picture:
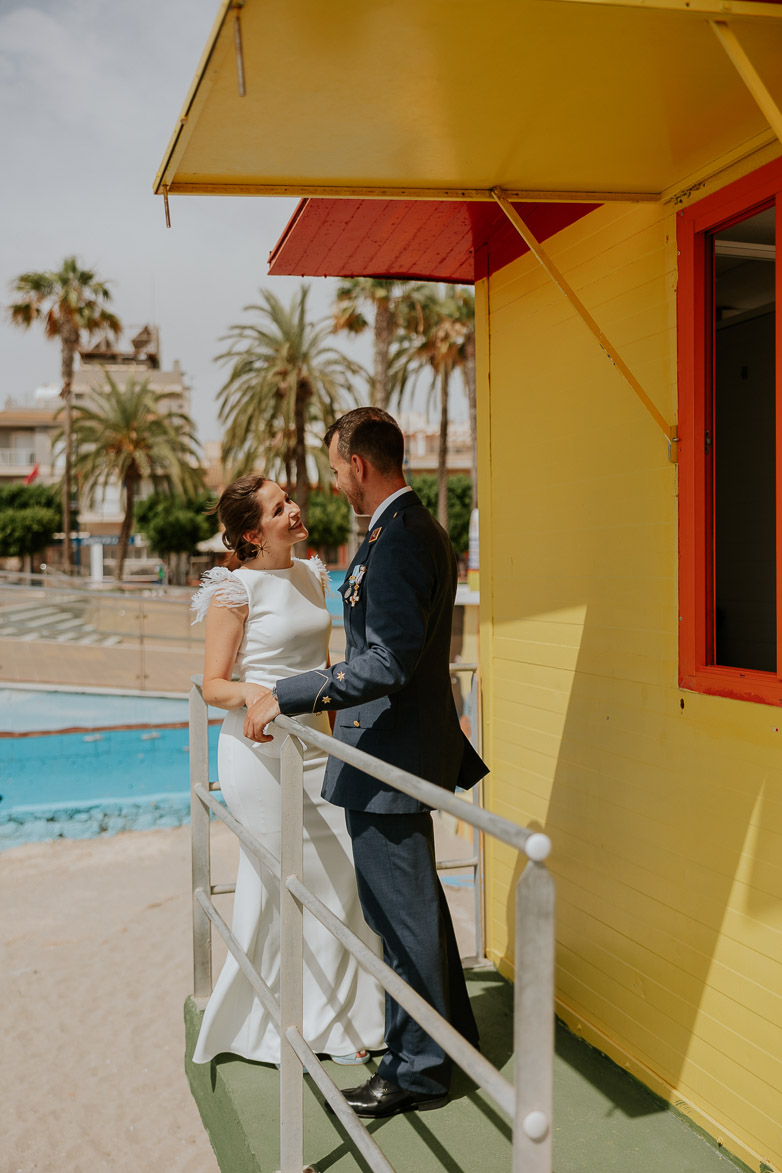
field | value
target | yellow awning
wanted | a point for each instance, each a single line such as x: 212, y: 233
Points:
x: 443, y: 96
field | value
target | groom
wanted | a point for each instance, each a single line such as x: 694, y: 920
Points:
x: 392, y: 696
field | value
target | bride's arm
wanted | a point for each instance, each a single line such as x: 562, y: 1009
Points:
x: 224, y: 631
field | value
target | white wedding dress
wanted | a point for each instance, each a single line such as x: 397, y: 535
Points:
x: 287, y: 631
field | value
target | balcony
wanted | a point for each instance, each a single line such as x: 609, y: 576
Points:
x: 16, y: 459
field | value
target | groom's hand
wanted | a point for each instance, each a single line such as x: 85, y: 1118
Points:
x: 260, y: 712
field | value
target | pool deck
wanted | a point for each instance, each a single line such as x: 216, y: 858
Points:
x: 159, y: 669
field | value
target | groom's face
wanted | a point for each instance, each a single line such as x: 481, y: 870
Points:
x: 345, y: 478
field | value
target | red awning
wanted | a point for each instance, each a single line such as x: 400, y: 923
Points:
x: 426, y: 240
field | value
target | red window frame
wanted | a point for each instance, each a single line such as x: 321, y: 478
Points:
x: 695, y: 348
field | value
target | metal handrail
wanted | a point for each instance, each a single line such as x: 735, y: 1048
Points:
x: 472, y: 863
x: 529, y: 1100
x: 86, y: 588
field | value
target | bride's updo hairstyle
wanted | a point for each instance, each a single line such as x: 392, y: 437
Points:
x: 238, y: 511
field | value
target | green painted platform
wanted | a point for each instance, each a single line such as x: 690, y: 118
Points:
x: 605, y: 1122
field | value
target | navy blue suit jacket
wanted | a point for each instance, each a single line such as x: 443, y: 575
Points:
x: 393, y: 692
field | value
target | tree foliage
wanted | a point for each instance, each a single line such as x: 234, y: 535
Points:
x: 397, y: 310
x: 328, y: 520
x: 26, y: 531
x: 69, y: 302
x: 459, y: 504
x: 130, y: 435
x: 445, y: 343
x: 175, y: 525
x: 20, y: 496
x: 285, y: 386
x: 30, y: 515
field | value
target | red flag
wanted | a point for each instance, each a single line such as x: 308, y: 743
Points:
x: 28, y: 480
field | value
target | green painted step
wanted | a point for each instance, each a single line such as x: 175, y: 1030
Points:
x: 605, y: 1121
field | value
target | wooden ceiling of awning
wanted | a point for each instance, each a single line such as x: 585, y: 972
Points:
x: 424, y: 240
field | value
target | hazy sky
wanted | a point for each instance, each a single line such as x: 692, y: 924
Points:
x: 90, y: 91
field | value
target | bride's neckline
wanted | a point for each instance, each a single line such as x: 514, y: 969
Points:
x: 269, y: 569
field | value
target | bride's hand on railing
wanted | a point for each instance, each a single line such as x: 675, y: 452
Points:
x: 252, y: 693
x: 262, y: 708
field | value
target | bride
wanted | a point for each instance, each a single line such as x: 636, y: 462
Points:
x: 265, y: 621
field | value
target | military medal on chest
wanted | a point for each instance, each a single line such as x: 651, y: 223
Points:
x: 355, y: 581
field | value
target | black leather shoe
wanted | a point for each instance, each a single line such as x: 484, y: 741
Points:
x: 378, y: 1097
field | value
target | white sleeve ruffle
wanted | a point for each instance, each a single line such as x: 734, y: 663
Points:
x: 318, y: 567
x: 222, y: 586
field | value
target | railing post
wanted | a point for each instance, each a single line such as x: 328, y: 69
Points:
x: 200, y: 847
x: 291, y: 960
x: 533, y: 1020
x: 142, y: 647
x: 479, y: 904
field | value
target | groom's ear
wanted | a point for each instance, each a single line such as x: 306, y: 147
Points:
x: 360, y: 466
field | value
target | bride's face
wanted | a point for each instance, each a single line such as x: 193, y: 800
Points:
x: 281, y: 525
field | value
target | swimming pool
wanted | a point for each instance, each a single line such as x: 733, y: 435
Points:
x: 76, y: 764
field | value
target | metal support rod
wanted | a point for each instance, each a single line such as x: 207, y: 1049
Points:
x: 567, y: 290
x: 453, y: 865
x: 166, y: 208
x: 291, y: 956
x: 200, y: 846
x: 479, y: 905
x: 748, y: 74
x: 533, y: 1021
x: 142, y: 646
x: 267, y: 858
x: 347, y: 1117
x: 470, y: 1060
x: 243, y: 961
x: 238, y: 48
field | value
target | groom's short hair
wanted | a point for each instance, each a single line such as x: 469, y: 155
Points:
x: 371, y: 433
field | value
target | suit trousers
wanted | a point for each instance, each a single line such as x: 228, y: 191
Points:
x: 404, y: 903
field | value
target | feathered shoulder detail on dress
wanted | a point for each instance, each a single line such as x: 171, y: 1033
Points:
x: 318, y: 568
x: 222, y: 585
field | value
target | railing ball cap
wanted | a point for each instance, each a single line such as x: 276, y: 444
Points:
x: 538, y: 847
x: 535, y: 1125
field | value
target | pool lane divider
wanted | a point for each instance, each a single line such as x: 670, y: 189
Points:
x: 102, y: 729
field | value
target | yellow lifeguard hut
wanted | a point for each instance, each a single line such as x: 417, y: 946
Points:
x: 609, y: 175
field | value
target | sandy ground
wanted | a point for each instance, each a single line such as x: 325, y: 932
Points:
x: 96, y: 960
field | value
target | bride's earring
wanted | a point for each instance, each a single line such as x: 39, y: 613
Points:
x: 256, y: 544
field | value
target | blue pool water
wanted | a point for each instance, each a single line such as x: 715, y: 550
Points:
x: 77, y: 764
x: 98, y: 779
x: 334, y: 599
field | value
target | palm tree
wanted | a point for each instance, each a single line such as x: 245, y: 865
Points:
x: 443, y: 346
x: 398, y: 312
x: 128, y: 435
x: 70, y: 302
x: 283, y: 382
x: 465, y: 307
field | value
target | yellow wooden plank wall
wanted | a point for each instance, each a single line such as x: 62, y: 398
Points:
x: 665, y: 807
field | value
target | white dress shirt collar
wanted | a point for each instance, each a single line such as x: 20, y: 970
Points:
x: 384, y: 505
